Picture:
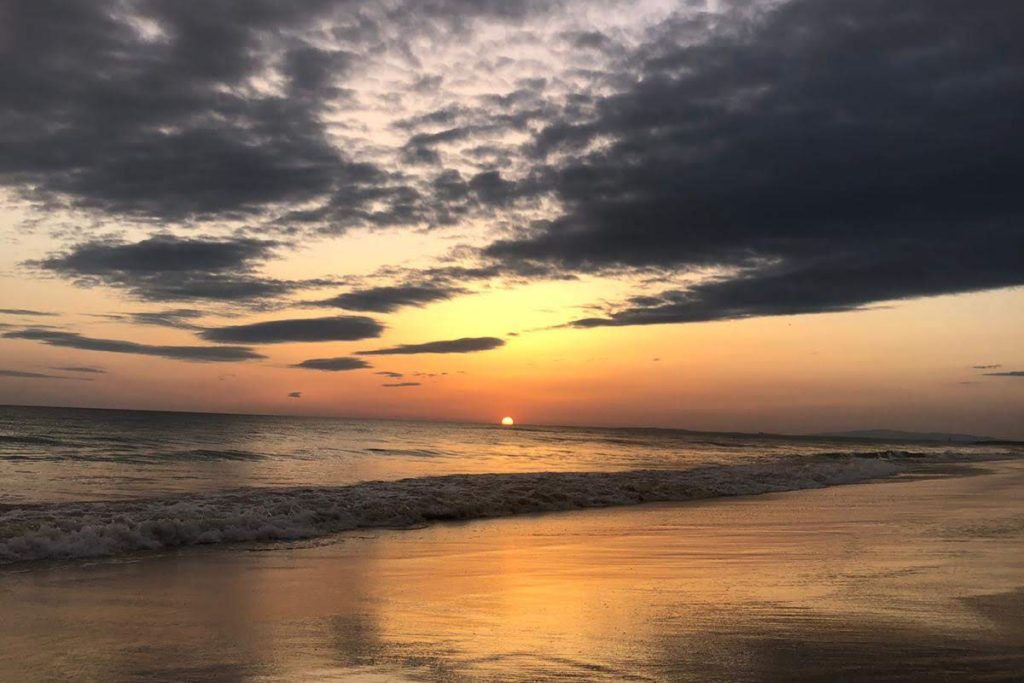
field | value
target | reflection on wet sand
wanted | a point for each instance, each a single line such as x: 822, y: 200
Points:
x: 883, y: 582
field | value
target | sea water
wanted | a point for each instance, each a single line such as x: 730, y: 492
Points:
x: 78, y: 483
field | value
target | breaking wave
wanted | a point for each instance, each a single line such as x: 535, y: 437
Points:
x: 97, y: 529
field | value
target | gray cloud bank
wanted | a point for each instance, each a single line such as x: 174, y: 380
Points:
x: 834, y: 154
x: 170, y: 268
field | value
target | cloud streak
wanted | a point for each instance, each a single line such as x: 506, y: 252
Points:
x: 339, y: 364
x: 387, y: 299
x: 25, y: 311
x: 463, y: 345
x: 19, y: 374
x: 73, y: 340
x: 337, y: 328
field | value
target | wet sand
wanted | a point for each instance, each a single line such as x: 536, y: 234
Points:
x: 891, y: 581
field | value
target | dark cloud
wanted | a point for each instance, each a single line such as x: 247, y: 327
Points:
x: 1012, y: 373
x: 24, y: 311
x: 422, y: 147
x: 149, y: 108
x: 987, y: 367
x: 177, y: 318
x: 74, y: 340
x: 180, y: 109
x: 393, y: 375
x: 337, y: 328
x: 295, y: 394
x: 169, y: 268
x: 464, y: 345
x: 402, y: 384
x: 159, y: 254
x: 333, y: 364
x: 89, y: 370
x: 37, y: 375
x: 820, y: 156
x: 390, y: 298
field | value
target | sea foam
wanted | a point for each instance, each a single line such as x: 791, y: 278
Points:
x: 96, y: 529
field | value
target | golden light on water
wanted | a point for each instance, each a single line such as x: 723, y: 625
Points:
x: 507, y: 421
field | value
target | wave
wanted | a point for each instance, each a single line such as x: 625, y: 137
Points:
x: 408, y: 452
x: 135, y: 455
x: 98, y: 529
x: 31, y: 440
x: 209, y: 454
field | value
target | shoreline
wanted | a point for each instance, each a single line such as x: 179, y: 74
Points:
x: 867, y: 582
x: 82, y: 530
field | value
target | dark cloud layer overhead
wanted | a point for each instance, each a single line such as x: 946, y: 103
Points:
x: 154, y: 108
x: 73, y: 340
x: 197, y: 109
x: 464, y: 345
x: 833, y: 154
x: 333, y: 364
x: 810, y: 155
x: 337, y: 328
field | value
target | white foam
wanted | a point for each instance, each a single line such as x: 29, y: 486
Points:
x: 94, y: 529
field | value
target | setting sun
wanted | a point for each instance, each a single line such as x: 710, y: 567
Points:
x: 507, y: 421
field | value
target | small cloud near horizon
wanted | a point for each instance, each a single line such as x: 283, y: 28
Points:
x: 333, y: 364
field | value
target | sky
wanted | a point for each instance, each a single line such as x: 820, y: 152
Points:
x: 787, y: 216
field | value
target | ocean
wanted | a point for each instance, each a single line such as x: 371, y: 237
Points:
x: 81, y: 483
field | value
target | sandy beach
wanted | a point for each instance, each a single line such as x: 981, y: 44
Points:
x: 890, y: 581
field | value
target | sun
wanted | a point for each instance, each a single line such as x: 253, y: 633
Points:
x: 507, y: 421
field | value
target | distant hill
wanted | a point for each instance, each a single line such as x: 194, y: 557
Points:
x: 897, y: 435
